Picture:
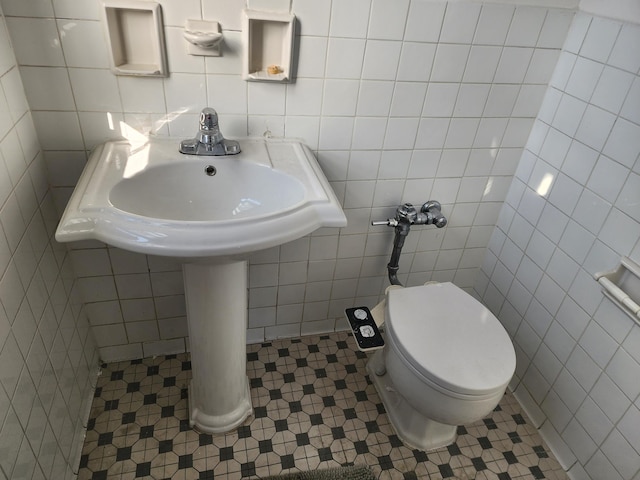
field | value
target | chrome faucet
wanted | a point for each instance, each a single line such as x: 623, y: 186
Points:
x: 209, y: 140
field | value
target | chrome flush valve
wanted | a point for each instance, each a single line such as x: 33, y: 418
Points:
x: 406, y: 215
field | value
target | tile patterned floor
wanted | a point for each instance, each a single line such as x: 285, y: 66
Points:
x: 314, y: 407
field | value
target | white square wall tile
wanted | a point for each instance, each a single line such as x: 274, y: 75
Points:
x: 416, y: 61
x: 620, y: 232
x: 513, y: 65
x: 620, y: 453
x: 86, y: 82
x: 529, y: 100
x: 374, y: 98
x: 102, y: 313
x: 97, y: 289
x: 407, y: 99
x: 526, y: 26
x: 36, y: 41
x: 630, y: 109
x: 345, y: 57
x: 359, y: 194
x: 15, y: 94
x: 144, y: 95
x: 388, y: 19
x: 594, y: 421
x: 266, y: 99
x: 600, y: 39
x: 626, y: 51
x: 623, y: 144
x: 432, y: 132
x: 493, y: 24
x: 143, y: 331
x: 340, y: 97
x: 369, y: 133
x: 98, y: 127
x: 501, y: 100
x: 401, y: 133
x: 58, y: 130
x: 629, y: 197
x: 381, y: 59
x: 576, y: 241
x: 612, y: 89
x: 335, y: 133
x: 584, y: 78
x: 314, y: 16
x: 90, y: 262
x: 569, y: 114
x: 542, y: 65
x: 449, y: 63
x: 459, y: 23
x: 304, y: 97
x: 84, y: 43
x: 424, y: 21
x: 607, y: 178
x: 618, y: 370
x: 562, y: 70
x: 227, y: 94
x: 440, y: 100
x: 305, y: 128
x: 177, y: 14
x: 555, y: 28
x: 185, y: 93
x: 471, y: 100
x: 47, y: 88
x: 482, y: 63
x: 350, y: 18
x: 461, y: 132
x: 579, y: 161
x: 133, y: 285
x: 610, y: 398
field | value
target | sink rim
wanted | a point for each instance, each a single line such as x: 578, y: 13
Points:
x: 222, y: 221
x: 90, y: 215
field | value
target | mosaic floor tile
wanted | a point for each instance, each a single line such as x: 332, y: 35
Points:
x: 314, y: 407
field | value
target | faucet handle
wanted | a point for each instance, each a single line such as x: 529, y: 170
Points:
x: 208, y: 119
x: 390, y: 222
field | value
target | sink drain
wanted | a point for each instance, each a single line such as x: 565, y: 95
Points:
x: 210, y: 170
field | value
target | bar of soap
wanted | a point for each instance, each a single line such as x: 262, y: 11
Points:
x: 273, y: 69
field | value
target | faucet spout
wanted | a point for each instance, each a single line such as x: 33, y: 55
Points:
x: 209, y: 140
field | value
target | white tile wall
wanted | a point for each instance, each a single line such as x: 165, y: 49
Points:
x: 578, y: 362
x: 48, y: 359
x: 423, y: 100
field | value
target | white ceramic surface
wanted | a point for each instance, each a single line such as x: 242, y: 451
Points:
x: 151, y: 199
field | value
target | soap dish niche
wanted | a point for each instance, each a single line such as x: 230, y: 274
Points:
x: 135, y: 37
x: 268, y: 46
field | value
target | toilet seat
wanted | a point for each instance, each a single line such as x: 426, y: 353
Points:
x: 450, y: 338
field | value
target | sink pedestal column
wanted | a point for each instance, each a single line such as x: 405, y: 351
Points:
x: 216, y: 298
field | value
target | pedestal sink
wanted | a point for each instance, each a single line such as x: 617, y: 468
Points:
x: 211, y: 213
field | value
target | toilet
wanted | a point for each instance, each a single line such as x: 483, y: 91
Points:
x: 447, y: 361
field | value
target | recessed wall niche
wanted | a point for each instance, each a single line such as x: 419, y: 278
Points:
x: 268, y: 46
x: 135, y: 38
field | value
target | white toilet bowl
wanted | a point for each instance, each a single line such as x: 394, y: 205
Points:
x: 447, y: 362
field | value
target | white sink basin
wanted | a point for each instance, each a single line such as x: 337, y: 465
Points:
x: 152, y: 199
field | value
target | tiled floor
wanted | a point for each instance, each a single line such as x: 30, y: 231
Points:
x: 314, y: 407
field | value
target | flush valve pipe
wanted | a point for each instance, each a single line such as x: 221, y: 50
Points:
x: 406, y: 215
